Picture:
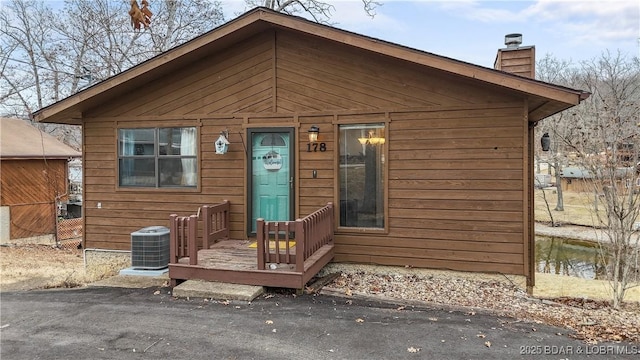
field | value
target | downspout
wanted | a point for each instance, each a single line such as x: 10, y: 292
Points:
x: 531, y: 278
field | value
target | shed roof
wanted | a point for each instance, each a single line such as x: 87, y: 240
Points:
x: 21, y: 140
x: 576, y: 172
x: 544, y: 99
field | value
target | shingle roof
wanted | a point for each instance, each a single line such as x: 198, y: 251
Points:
x: 19, y: 139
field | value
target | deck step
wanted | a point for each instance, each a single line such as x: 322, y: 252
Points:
x: 217, y: 290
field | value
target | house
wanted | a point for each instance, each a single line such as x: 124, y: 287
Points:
x: 428, y: 160
x: 580, y: 179
x: 34, y: 181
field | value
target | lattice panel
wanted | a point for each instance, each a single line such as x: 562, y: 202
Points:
x: 69, y: 232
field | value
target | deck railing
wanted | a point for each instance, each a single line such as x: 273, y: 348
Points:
x: 183, y: 238
x: 293, y: 242
x: 216, y: 223
x: 184, y: 231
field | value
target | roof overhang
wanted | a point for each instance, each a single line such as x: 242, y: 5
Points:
x: 549, y: 98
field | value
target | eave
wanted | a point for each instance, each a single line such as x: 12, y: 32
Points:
x: 546, y: 99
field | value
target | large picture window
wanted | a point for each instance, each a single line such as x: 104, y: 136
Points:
x: 157, y: 157
x: 362, y: 170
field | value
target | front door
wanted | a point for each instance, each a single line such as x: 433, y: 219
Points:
x: 271, y: 175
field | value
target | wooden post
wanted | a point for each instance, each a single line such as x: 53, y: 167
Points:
x: 192, y: 236
x: 301, y: 239
x: 173, y: 239
x: 206, y: 226
x: 260, y: 230
x: 276, y: 238
x: 226, y: 215
x: 331, y: 221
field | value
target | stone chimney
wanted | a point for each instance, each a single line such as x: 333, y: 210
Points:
x: 516, y: 59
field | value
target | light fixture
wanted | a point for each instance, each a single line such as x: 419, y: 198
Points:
x: 545, y: 141
x: 313, y: 133
x: 371, y: 139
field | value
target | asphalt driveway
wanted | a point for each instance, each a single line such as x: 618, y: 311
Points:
x: 116, y: 323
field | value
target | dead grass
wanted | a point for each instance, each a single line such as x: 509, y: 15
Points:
x: 28, y: 267
x: 578, y: 207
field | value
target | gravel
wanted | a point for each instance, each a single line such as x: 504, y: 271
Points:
x: 590, y: 320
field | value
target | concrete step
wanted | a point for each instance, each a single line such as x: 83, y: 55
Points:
x: 217, y: 290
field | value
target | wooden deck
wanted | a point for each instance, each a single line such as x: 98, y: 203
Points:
x: 275, y: 259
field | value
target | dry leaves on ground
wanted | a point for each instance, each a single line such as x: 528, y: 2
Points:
x: 592, y: 321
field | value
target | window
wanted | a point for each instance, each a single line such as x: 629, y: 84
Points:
x: 157, y: 157
x: 362, y: 173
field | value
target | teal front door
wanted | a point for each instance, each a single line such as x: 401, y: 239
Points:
x: 271, y: 182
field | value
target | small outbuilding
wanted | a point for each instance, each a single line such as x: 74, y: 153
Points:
x: 427, y: 160
x: 34, y: 175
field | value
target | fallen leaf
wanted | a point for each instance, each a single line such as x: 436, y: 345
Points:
x: 413, y: 350
x: 269, y: 322
x: 433, y: 319
x: 358, y: 320
x: 348, y: 292
x: 274, y: 330
x: 482, y: 336
x: 487, y: 343
x: 157, y: 292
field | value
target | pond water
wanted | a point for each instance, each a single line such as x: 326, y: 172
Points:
x: 569, y: 257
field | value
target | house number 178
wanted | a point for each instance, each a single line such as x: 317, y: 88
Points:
x: 314, y: 147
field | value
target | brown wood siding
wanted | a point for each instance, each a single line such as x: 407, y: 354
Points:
x: 455, y: 193
x: 234, y: 80
x: 29, y: 188
x: 32, y: 220
x: 314, y: 193
x: 32, y: 181
x: 123, y: 211
x: 455, y: 161
x: 519, y: 62
x: 318, y: 75
x: 300, y: 74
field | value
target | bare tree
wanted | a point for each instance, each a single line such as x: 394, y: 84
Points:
x: 606, y: 138
x: 319, y: 11
x: 47, y: 54
x: 559, y: 72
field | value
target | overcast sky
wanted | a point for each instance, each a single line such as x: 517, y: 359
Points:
x: 472, y: 31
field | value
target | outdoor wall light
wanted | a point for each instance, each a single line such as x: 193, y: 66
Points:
x: 313, y: 134
x: 545, y: 141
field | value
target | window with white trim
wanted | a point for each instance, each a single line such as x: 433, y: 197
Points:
x: 157, y: 157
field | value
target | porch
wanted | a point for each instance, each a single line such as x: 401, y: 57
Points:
x: 284, y: 254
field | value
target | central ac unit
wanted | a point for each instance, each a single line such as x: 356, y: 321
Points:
x: 150, y: 248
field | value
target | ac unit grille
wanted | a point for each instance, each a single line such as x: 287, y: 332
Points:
x: 150, y: 248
